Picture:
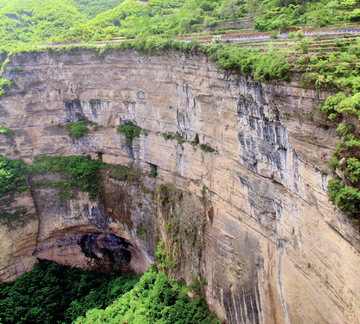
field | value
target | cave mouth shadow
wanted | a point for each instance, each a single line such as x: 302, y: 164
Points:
x: 107, y: 251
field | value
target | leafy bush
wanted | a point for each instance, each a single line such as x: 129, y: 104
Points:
x: 207, y: 148
x: 353, y: 169
x: 273, y: 35
x: 304, y: 44
x: 291, y: 35
x: 130, y: 131
x: 354, y: 16
x: 260, y: 66
x: 301, y: 60
x: 343, y: 129
x: 79, y: 128
x: 346, y: 198
x: 3, y: 130
x: 4, y: 84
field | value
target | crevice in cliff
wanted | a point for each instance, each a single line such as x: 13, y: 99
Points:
x: 279, y: 274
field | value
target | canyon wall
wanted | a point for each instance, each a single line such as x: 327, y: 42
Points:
x: 252, y: 217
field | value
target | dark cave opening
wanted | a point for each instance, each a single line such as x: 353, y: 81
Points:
x: 108, y: 248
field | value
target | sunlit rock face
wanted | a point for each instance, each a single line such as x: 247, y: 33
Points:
x: 262, y: 232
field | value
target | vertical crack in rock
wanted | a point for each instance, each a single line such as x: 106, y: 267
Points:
x: 279, y: 274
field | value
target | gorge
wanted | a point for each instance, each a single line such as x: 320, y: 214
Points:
x: 248, y: 210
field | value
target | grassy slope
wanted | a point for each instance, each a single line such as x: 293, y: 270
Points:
x: 34, y: 21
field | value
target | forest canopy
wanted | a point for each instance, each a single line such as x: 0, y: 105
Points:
x: 55, y: 294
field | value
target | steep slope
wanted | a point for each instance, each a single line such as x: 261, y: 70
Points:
x: 237, y: 188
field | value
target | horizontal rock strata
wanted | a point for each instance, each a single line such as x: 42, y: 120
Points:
x: 258, y: 223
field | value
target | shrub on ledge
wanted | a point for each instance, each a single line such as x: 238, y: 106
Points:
x: 130, y: 131
x: 207, y: 148
x: 79, y: 128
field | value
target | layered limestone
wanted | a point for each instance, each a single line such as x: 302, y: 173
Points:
x: 253, y: 217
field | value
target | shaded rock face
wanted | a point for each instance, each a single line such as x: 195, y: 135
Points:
x: 116, y: 248
x: 262, y: 232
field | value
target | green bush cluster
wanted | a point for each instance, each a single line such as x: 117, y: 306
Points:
x: 55, y: 294
x: 334, y: 72
x: 79, y: 128
x: 181, y: 140
x: 250, y: 61
x: 346, y: 198
x: 207, y: 148
x: 12, y: 176
x: 4, y: 85
x: 130, y: 131
x: 340, y: 74
x: 155, y: 299
x: 3, y: 130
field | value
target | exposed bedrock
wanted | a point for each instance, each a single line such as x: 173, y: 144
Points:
x: 263, y: 234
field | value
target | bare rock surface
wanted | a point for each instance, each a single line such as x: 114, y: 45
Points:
x: 262, y: 232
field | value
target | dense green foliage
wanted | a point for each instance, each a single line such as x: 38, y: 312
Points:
x: 79, y: 128
x: 340, y: 73
x: 250, y: 61
x: 30, y: 22
x: 282, y: 14
x: 180, y: 17
x: 12, y: 176
x: 130, y: 131
x: 27, y: 22
x: 154, y: 299
x: 53, y: 294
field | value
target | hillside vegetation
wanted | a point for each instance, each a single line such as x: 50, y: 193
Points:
x: 52, y: 294
x: 55, y: 294
x: 179, y: 17
x: 25, y: 23
x: 32, y: 22
x: 91, y: 8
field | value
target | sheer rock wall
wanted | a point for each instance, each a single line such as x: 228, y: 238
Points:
x: 271, y: 246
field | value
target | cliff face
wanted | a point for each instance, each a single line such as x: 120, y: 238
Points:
x: 263, y: 234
